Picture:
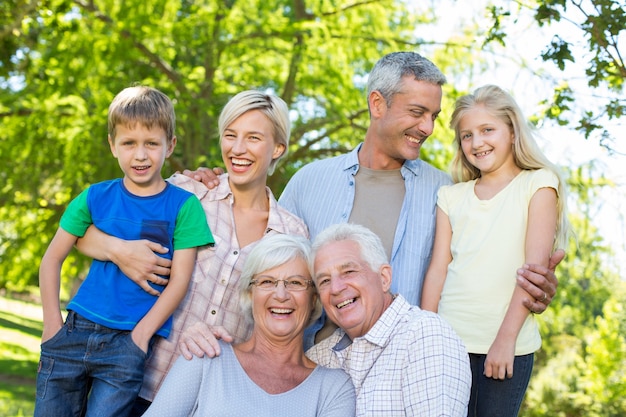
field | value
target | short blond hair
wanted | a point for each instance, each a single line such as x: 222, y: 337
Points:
x: 272, y: 106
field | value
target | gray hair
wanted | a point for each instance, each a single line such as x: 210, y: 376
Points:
x: 386, y: 76
x: 372, y: 249
x: 271, y: 252
x: 272, y: 106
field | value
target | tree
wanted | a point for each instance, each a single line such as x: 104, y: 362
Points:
x: 579, y: 369
x: 62, y: 61
x: 601, y: 25
x: 585, y: 377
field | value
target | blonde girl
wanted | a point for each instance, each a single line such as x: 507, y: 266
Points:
x: 506, y: 209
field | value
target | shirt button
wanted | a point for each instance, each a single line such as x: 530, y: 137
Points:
x: 235, y: 252
x: 213, y: 312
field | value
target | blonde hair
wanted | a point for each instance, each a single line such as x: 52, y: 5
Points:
x: 273, y: 107
x: 145, y: 105
x: 526, y: 152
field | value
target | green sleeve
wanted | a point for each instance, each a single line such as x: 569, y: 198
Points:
x: 77, y: 218
x: 192, y: 228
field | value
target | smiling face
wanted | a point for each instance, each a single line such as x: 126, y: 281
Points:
x: 141, y: 153
x: 353, y: 295
x: 486, y: 141
x: 400, y: 129
x: 248, y: 148
x: 279, y: 313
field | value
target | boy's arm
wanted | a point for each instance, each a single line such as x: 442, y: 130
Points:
x: 183, y: 263
x: 135, y: 258
x: 540, y: 231
x: 438, y: 268
x: 50, y: 281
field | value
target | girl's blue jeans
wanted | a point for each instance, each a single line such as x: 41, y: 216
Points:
x: 495, y: 397
x: 88, y: 370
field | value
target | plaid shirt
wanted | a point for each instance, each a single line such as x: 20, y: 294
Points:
x: 410, y: 363
x: 212, y: 295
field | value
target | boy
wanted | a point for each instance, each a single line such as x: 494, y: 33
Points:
x: 94, y: 363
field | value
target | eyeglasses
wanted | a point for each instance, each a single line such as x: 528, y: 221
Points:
x: 268, y: 283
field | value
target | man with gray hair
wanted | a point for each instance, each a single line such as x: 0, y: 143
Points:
x: 403, y: 361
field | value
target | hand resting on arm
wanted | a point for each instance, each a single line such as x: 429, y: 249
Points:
x: 540, y: 282
x: 136, y: 258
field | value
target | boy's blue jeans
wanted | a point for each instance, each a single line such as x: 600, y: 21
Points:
x: 88, y: 369
x: 495, y: 397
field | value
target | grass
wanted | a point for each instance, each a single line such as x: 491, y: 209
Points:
x: 20, y: 334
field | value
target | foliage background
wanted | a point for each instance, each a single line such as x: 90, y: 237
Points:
x: 62, y: 61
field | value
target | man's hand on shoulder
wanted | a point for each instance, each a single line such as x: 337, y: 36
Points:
x: 208, y: 177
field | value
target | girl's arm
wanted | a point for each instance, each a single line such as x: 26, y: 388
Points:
x: 183, y: 263
x: 438, y: 268
x: 50, y: 281
x: 540, y: 231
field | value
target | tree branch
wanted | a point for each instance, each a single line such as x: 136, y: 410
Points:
x: 17, y: 18
x: 153, y: 58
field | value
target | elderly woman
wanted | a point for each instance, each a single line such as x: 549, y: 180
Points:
x: 254, y: 135
x: 268, y: 374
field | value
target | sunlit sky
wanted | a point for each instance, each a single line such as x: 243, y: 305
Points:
x: 563, y: 145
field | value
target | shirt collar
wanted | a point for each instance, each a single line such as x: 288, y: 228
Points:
x: 222, y: 191
x: 383, y: 329
x: 276, y: 220
x: 352, y: 163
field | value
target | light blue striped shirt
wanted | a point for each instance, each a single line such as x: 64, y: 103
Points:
x: 322, y: 193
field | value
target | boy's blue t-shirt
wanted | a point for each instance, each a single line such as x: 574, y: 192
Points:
x: 173, y: 218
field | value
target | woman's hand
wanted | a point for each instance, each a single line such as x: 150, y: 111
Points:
x: 139, y: 262
x: 201, y: 339
x: 137, y: 259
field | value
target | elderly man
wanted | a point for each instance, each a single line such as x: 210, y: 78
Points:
x: 403, y: 361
